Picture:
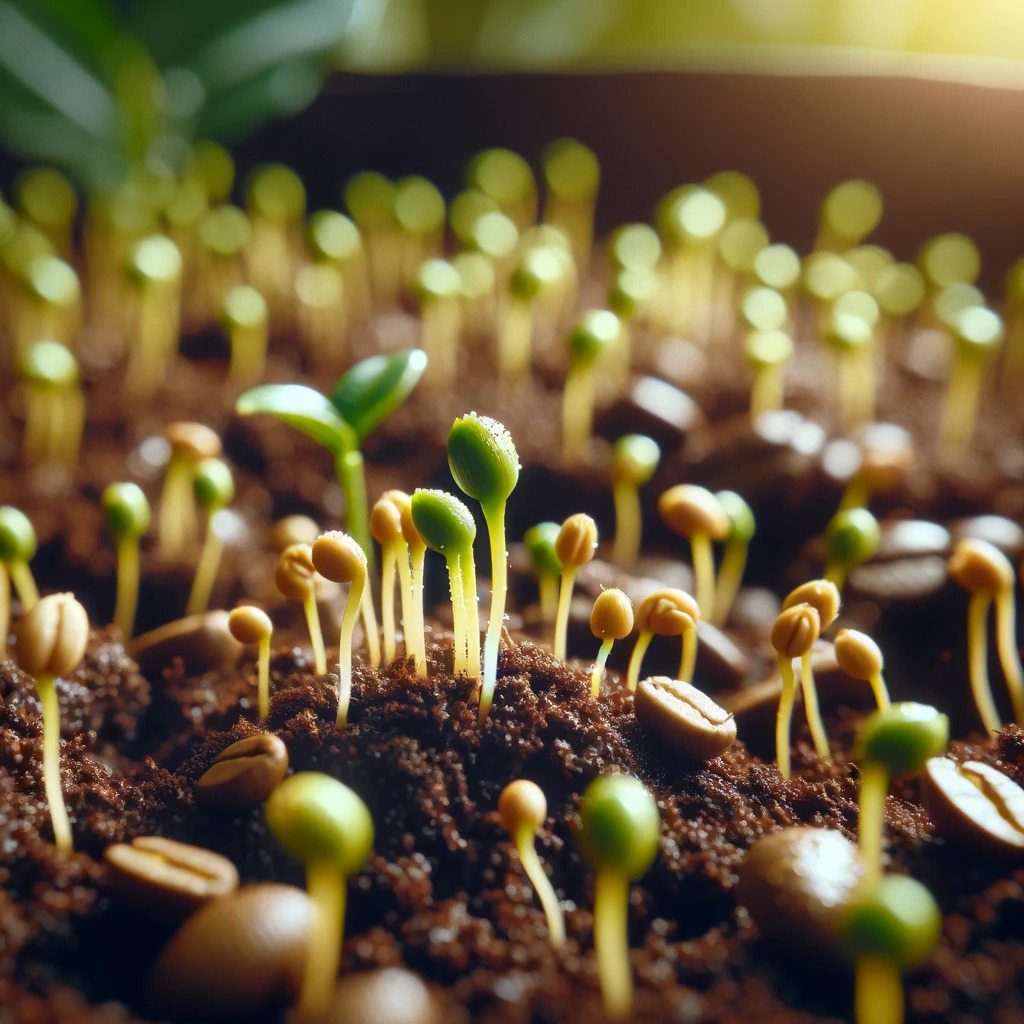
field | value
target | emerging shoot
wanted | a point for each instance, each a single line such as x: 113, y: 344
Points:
x: 793, y: 636
x: 634, y: 461
x: 978, y: 334
x: 767, y: 352
x: 417, y: 554
x: 294, y: 578
x: 247, y: 323
x: 595, y: 332
x: 611, y: 620
x: 176, y: 519
x: 128, y: 518
x: 214, y: 489
x: 386, y: 528
x: 539, y: 541
x: 851, y: 537
x: 574, y: 546
x: 54, y: 404
x: 251, y: 625
x: 734, y: 560
x: 860, y: 657
x: 667, y: 612
x: 438, y: 287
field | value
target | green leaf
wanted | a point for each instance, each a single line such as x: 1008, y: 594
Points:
x: 372, y: 389
x: 303, y: 408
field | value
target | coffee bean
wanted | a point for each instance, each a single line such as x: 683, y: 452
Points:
x: 683, y: 718
x: 242, y: 954
x: 796, y: 883
x: 974, y: 804
x: 167, y: 879
x: 201, y: 641
x: 391, y: 995
x: 244, y: 774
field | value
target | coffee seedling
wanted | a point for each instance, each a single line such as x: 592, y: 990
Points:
x: 294, y: 578
x: 214, y: 489
x: 667, y: 612
x: 792, y: 636
x: 634, y: 461
x: 251, y: 625
x: 574, y: 547
x: 611, y: 620
x: 128, y: 517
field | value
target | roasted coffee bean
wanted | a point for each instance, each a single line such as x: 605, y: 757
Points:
x: 167, y: 879
x: 974, y: 804
x: 201, y: 641
x: 240, y: 955
x: 796, y: 884
x: 391, y: 995
x: 244, y: 774
x: 683, y: 718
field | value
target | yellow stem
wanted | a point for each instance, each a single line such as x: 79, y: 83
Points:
x: 47, y: 689
x: 810, y: 692
x: 643, y: 641
x: 611, y: 942
x: 408, y: 605
x: 879, y: 991
x: 263, y: 684
x: 248, y: 352
x: 316, y: 638
x: 874, y: 784
x: 977, y: 657
x: 835, y: 572
x: 767, y: 392
x: 348, y: 621
x: 599, y: 663
x: 856, y: 386
x: 418, y: 637
x: 703, y: 573
x: 628, y: 520
x: 495, y: 518
x: 458, y: 615
x: 562, y: 615
x: 784, y: 716
x: 176, y: 519
x: 961, y: 409
x: 34, y: 442
x: 688, y: 660
x: 127, y: 584
x: 441, y: 326
x: 389, y: 566
x: 730, y: 576
x: 467, y: 568
x: 206, y: 571
x: 577, y: 414
x: 548, y: 584
x: 857, y: 494
x: 370, y: 627
x: 326, y: 887
x: 24, y: 583
x: 541, y: 886
x: 880, y: 690
x: 5, y: 608
x: 1009, y: 657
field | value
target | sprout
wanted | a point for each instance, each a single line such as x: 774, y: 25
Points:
x: 52, y: 638
x: 335, y: 240
x: 294, y: 578
x: 778, y: 266
x: 386, y: 528
x: 948, y: 259
x: 324, y: 824
x: 176, y: 519
x: 618, y: 837
x: 369, y: 392
x: 465, y: 210
x: 54, y: 404
x: 539, y: 271
x: 631, y: 294
x: 18, y: 547
x: 437, y: 287
x: 447, y: 527
x: 634, y: 461
x: 155, y: 271
x: 823, y: 597
x: 860, y: 657
x: 224, y: 233
x: 634, y: 245
x: 128, y: 518
x: 54, y: 306
x: 792, y: 636
x: 417, y: 554
x: 978, y: 334
x: 611, y: 620
x: 694, y: 512
x: 251, y: 625
x: 370, y: 198
x: 892, y: 742
x: 986, y: 572
x: 888, y: 927
x: 764, y: 309
x: 320, y: 295
x: 668, y: 612
x: 572, y: 175
x: 574, y: 546
x: 420, y: 214
x: 539, y: 541
x: 47, y: 199
x: 339, y: 558
x: 594, y: 333
x: 214, y: 489
x: 496, y: 237
x: 742, y: 527
x: 213, y: 165
x: 852, y: 335
x: 476, y: 291
x: 850, y: 212
x: 851, y: 537
x: 767, y: 353
x: 523, y: 808
x: 506, y: 178
x: 245, y: 319
x: 485, y: 464
x: 886, y: 454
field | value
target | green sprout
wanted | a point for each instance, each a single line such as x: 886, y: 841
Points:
x: 293, y: 576
x: 476, y: 292
x: 335, y: 240
x: 523, y: 808
x: 539, y: 271
x: 610, y: 620
x: 128, y: 517
x: 339, y: 558
x: 892, y: 742
x: 214, y: 166
x: 742, y: 527
x: 176, y: 518
x: 18, y: 547
x: 251, y: 625
x: 506, y: 178
x: 861, y: 658
x: 574, y: 547
x: 666, y: 612
x: 52, y: 638
x: 246, y: 321
x: 437, y: 286
x: 386, y: 528
x: 420, y: 217
x: 322, y: 313
x: 324, y: 824
x: 485, y: 464
x: 631, y: 294
x: 767, y: 353
x: 619, y: 833
x: 634, y: 461
x: 155, y: 269
x: 370, y: 198
x: 447, y: 527
x: 978, y: 334
x: 634, y: 245
x: 224, y: 234
x: 465, y: 210
x: 793, y: 635
x: 214, y: 489
x: 539, y: 541
x: 852, y: 335
x: 594, y: 333
x: 397, y: 503
x: 54, y: 404
x: 888, y: 927
x: 851, y: 537
x: 47, y: 199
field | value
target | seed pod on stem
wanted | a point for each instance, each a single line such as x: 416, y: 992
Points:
x: 851, y: 537
x: 539, y: 541
x: 595, y: 332
x: 793, y: 636
x: 128, y: 517
x: 860, y: 657
x: 18, y: 547
x: 190, y: 443
x: 251, y: 625
x: 54, y: 404
x: 667, y: 612
x: 611, y: 620
x: 247, y: 323
x: 734, y: 560
x: 574, y: 546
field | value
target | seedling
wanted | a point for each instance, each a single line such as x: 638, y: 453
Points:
x: 618, y: 837
x: 224, y: 233
x: 850, y: 212
x: 539, y: 541
x: 465, y: 210
x: 777, y: 266
x: 485, y: 464
x: 496, y: 237
x: 155, y: 271
x: 742, y: 527
x: 370, y: 198
x: 190, y: 443
x: 246, y: 320
x: 887, y: 928
x: 823, y: 597
x: 214, y: 166
x: 369, y: 392
x: 851, y: 537
x: 52, y: 638
x: 978, y: 334
x: 668, y: 612
x: 46, y: 198
x: 420, y: 215
x: 948, y: 259
x: 339, y: 558
x: 386, y: 528
x: 54, y: 304
x: 886, y: 454
x: 852, y: 335
x: 54, y: 404
x: 505, y: 177
x: 611, y: 620
x: 986, y: 572
x: 574, y: 546
x: 572, y: 175
x: 128, y: 518
x: 523, y: 809
x: 476, y: 291
x: 694, y: 512
x: 417, y: 554
x: 764, y: 309
x: 860, y: 657
x: 767, y: 353
x: 893, y: 742
x: 324, y: 824
x: 634, y: 461
x: 18, y: 546
x: 214, y: 489
x: 334, y: 239
x: 899, y: 289
x: 792, y: 636
x: 447, y: 527
x: 631, y: 294
x: 437, y: 287
x: 538, y: 271
x: 251, y: 625
x: 294, y: 578
x: 634, y: 245
x: 594, y: 333
x: 322, y: 315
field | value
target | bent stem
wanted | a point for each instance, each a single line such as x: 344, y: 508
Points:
x: 326, y: 887
x: 814, y: 722
x: 628, y: 519
x: 879, y: 991
x: 541, y: 886
x: 127, y: 584
x: 348, y: 621
x: 703, y: 573
x: 730, y: 576
x: 370, y: 627
x: 643, y: 641
x: 316, y: 638
x: 688, y: 661
x: 977, y: 659
x: 874, y: 782
x: 206, y: 572
x: 611, y: 942
x: 784, y: 716
x: 562, y: 615
x: 263, y: 684
x: 24, y: 583
x: 1009, y: 658
x: 595, y: 676
x: 47, y: 689
x: 495, y: 519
